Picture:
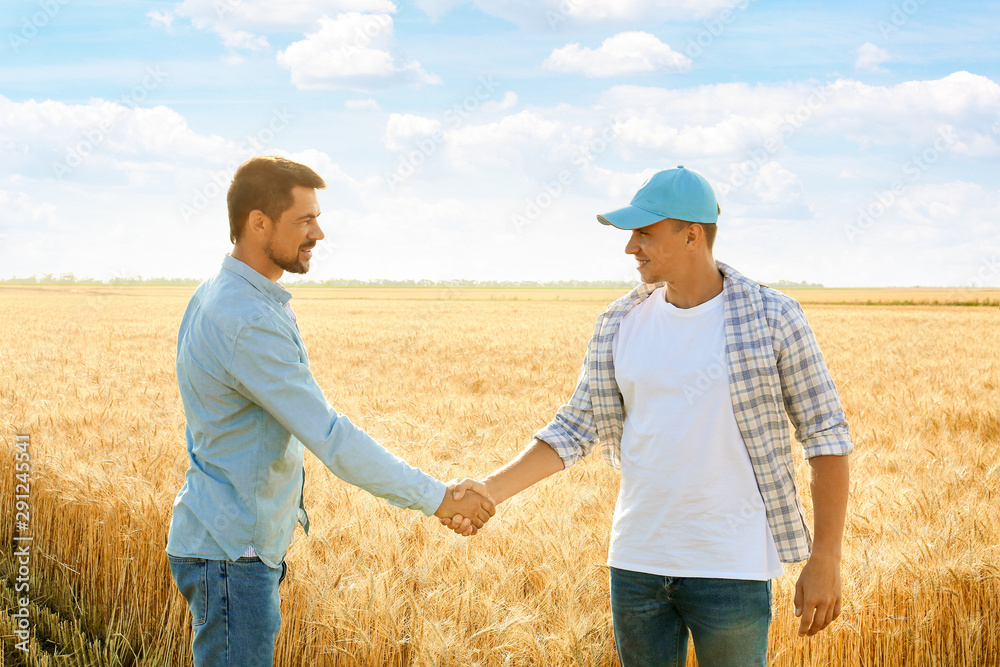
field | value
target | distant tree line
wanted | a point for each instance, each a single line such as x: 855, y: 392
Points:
x: 353, y: 282
x: 70, y: 279
x: 791, y: 284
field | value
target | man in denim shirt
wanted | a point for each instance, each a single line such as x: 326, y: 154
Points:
x: 685, y: 388
x: 252, y: 406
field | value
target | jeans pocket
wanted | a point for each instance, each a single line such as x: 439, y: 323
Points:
x: 191, y: 576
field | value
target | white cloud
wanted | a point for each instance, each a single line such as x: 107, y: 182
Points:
x: 774, y: 184
x: 361, y: 105
x: 18, y: 210
x: 437, y: 8
x: 945, y: 231
x: 353, y: 50
x: 660, y: 132
x: 78, y: 140
x: 164, y: 20
x: 728, y: 119
x: 624, y: 53
x: 769, y: 150
x: 402, y: 129
x: 557, y: 14
x: 241, y: 24
x: 947, y: 207
x: 453, y: 216
x: 729, y: 125
x: 356, y: 49
x: 241, y: 39
x: 510, y: 141
x: 261, y: 16
x: 144, y: 194
x: 911, y: 111
x: 508, y: 101
x: 870, y: 57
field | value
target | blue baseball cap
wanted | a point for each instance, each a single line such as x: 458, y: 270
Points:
x: 678, y: 193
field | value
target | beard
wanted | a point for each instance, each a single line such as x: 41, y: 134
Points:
x: 291, y: 264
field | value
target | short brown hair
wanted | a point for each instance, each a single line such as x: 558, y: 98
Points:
x: 710, y: 229
x: 264, y: 183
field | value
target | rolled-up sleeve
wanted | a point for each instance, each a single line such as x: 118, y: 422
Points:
x: 270, y: 371
x: 807, y: 388
x: 572, y: 433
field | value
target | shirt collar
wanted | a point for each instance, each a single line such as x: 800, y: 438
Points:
x: 732, y: 274
x: 263, y: 284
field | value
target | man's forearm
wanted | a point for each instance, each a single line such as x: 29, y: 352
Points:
x: 535, y: 462
x: 830, y: 483
x: 818, y: 598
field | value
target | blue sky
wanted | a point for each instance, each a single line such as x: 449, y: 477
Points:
x: 853, y: 144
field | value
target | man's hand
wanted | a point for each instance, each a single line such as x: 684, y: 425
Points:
x: 537, y: 461
x: 817, y: 593
x: 471, y: 509
x: 460, y: 523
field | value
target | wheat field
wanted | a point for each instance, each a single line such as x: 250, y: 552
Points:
x: 456, y: 381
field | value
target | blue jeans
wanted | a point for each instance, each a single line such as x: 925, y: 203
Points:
x: 235, y: 609
x: 728, y: 619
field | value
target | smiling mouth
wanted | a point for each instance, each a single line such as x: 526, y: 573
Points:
x: 641, y: 263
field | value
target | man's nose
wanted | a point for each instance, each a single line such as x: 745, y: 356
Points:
x: 631, y: 247
x: 317, y: 233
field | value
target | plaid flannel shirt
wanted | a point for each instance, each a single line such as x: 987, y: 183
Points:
x: 775, y: 367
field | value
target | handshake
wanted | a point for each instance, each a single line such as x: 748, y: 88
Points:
x: 466, y: 507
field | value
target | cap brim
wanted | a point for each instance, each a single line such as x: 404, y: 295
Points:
x: 630, y: 217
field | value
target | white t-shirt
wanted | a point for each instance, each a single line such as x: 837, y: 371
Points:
x: 689, y: 505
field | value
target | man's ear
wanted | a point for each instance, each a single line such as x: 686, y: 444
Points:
x: 693, y: 231
x: 257, y: 222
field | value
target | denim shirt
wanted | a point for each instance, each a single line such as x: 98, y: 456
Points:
x: 252, y: 406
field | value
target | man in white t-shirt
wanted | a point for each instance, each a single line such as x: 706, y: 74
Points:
x: 686, y: 386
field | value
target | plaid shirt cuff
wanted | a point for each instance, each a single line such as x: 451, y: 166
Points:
x: 832, y: 443
x: 564, y: 442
